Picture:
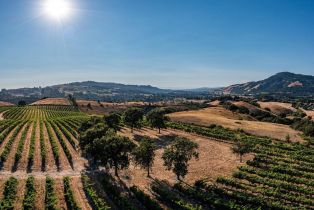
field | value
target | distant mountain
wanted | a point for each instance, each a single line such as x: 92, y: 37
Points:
x: 93, y: 91
x: 281, y: 83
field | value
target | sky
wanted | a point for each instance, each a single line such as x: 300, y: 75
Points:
x: 164, y: 43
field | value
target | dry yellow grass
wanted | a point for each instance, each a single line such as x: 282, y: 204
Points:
x: 2, y: 103
x: 52, y: 101
x: 223, y: 117
x: 309, y: 113
x: 250, y: 107
x: 214, y: 103
x: 277, y: 107
x: 215, y: 159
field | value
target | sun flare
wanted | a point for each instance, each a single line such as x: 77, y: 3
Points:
x: 57, y: 9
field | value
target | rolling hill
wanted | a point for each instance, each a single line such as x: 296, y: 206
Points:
x: 281, y: 83
x: 91, y: 90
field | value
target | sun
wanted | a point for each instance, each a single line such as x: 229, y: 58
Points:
x: 57, y: 9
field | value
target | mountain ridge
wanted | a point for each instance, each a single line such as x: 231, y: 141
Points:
x: 281, y: 83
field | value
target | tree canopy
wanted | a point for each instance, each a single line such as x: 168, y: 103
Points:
x: 144, y: 154
x: 113, y: 120
x: 157, y: 119
x: 178, y: 154
x: 133, y: 117
x: 241, y: 147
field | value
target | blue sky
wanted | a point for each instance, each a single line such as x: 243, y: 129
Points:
x: 165, y: 43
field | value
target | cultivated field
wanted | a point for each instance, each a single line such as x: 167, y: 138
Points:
x: 38, y: 149
x: 226, y: 118
x: 41, y: 166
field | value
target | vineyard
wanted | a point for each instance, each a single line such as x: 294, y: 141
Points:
x: 40, y: 164
x: 41, y: 168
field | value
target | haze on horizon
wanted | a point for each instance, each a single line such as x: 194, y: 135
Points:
x: 168, y: 44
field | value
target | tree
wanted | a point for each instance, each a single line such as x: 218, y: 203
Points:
x: 144, y: 154
x: 241, y: 148
x: 72, y: 100
x: 157, y: 119
x: 115, y: 151
x: 89, y: 132
x: 177, y: 156
x: 21, y: 103
x: 133, y: 118
x: 113, y: 120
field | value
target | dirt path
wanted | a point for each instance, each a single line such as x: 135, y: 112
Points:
x: 50, y: 161
x: 20, y: 194
x: 37, y: 155
x: 22, y: 165
x: 64, y: 162
x: 40, y: 193
x: 79, y: 194
x: 215, y: 159
x: 52, y: 174
x: 2, y: 182
x: 59, y: 190
x: 78, y: 162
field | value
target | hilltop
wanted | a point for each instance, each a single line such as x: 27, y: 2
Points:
x: 281, y: 83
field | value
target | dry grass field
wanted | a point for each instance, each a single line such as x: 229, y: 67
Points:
x: 215, y: 159
x: 2, y: 103
x: 223, y: 117
x: 52, y: 101
x: 250, y: 107
x: 277, y: 107
x: 101, y: 108
x: 309, y: 113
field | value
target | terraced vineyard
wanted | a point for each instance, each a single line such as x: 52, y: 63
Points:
x: 40, y: 164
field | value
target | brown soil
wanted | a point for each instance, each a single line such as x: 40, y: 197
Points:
x: 215, y: 159
x: 37, y: 156
x: 223, y: 117
x: 52, y: 101
x: 79, y: 194
x: 8, y: 164
x: 64, y: 163
x: 2, y: 182
x: 59, y: 190
x: 78, y: 162
x: 23, y: 163
x: 20, y: 194
x: 50, y: 161
x: 40, y: 193
x: 6, y: 140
